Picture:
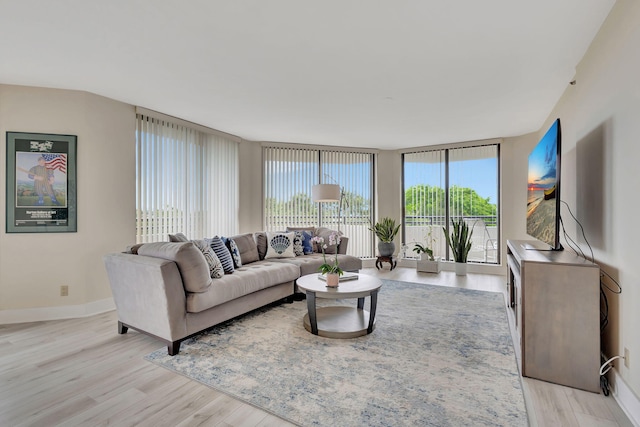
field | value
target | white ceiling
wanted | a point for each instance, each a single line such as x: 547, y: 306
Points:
x: 377, y: 74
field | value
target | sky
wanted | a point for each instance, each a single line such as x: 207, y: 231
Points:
x: 543, y: 160
x: 479, y: 175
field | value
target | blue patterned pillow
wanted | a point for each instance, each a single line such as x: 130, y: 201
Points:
x: 235, y: 253
x: 305, y: 236
x: 297, y: 244
x: 222, y: 253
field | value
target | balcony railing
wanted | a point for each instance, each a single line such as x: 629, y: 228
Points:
x: 428, y: 230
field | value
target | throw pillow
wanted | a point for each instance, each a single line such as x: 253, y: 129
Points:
x: 178, y: 237
x: 215, y: 266
x: 280, y: 245
x: 305, y: 236
x: 298, y: 249
x: 222, y: 253
x: 235, y: 253
x: 133, y: 249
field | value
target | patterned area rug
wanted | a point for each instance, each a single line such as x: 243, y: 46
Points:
x: 439, y: 356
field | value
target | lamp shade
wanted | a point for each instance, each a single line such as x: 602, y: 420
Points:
x: 325, y: 193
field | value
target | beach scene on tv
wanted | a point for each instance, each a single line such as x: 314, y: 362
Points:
x: 542, y: 188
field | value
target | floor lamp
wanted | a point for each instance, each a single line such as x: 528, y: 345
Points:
x: 322, y: 193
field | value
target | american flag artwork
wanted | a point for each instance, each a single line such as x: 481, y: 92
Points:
x: 56, y: 161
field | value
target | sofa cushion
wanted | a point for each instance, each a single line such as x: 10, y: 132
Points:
x: 191, y: 262
x: 310, y: 264
x: 133, y: 249
x: 280, y: 245
x: 247, y: 247
x: 215, y: 266
x: 261, y: 243
x: 246, y: 280
x: 222, y: 252
x: 311, y: 230
x: 178, y: 237
x: 325, y: 233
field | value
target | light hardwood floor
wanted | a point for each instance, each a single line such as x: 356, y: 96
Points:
x: 81, y: 372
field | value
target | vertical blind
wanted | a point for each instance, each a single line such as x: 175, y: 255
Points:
x: 353, y: 171
x: 186, y: 181
x: 290, y: 174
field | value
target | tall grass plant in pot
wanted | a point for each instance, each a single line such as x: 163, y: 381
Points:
x: 460, y: 243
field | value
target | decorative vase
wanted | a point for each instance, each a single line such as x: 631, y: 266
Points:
x: 386, y: 249
x: 461, y: 268
x: 333, y: 279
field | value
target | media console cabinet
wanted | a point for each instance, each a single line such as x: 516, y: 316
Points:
x: 555, y: 300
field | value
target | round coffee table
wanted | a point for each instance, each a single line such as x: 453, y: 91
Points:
x: 340, y: 321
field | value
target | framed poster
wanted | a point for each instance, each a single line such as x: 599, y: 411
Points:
x: 41, y: 183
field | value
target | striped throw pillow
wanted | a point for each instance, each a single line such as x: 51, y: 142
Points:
x: 222, y: 253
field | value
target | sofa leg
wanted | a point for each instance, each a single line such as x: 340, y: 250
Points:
x: 122, y: 328
x: 173, y: 348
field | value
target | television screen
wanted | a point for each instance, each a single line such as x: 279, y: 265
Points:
x: 543, y: 198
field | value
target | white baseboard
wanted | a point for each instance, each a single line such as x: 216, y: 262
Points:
x: 625, y: 397
x: 56, y: 313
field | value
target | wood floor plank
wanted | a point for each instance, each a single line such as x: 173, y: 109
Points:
x: 216, y: 412
x: 101, y: 413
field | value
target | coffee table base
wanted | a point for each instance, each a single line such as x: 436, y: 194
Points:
x: 340, y: 322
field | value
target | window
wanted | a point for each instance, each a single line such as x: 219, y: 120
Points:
x: 186, y: 181
x: 453, y: 183
x: 289, y: 175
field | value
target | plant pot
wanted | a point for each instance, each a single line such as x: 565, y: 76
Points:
x: 461, y: 268
x: 386, y: 249
x: 427, y: 266
x: 333, y: 280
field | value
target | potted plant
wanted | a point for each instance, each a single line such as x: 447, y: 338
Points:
x: 332, y: 271
x: 460, y: 244
x: 428, y: 263
x: 419, y: 249
x: 386, y: 230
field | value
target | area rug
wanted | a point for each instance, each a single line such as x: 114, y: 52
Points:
x: 439, y: 356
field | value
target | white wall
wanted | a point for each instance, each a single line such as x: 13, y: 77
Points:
x: 33, y: 266
x: 600, y: 172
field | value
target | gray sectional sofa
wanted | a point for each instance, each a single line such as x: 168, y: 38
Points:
x: 165, y: 289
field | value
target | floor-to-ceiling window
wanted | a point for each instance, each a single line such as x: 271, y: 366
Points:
x: 453, y: 183
x: 186, y: 181
x: 289, y: 175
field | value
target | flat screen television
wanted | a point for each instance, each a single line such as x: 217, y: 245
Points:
x: 543, y: 189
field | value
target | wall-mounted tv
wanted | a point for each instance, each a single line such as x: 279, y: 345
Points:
x: 543, y: 188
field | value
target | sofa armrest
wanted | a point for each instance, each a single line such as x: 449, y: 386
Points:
x: 148, y: 294
x: 344, y: 242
